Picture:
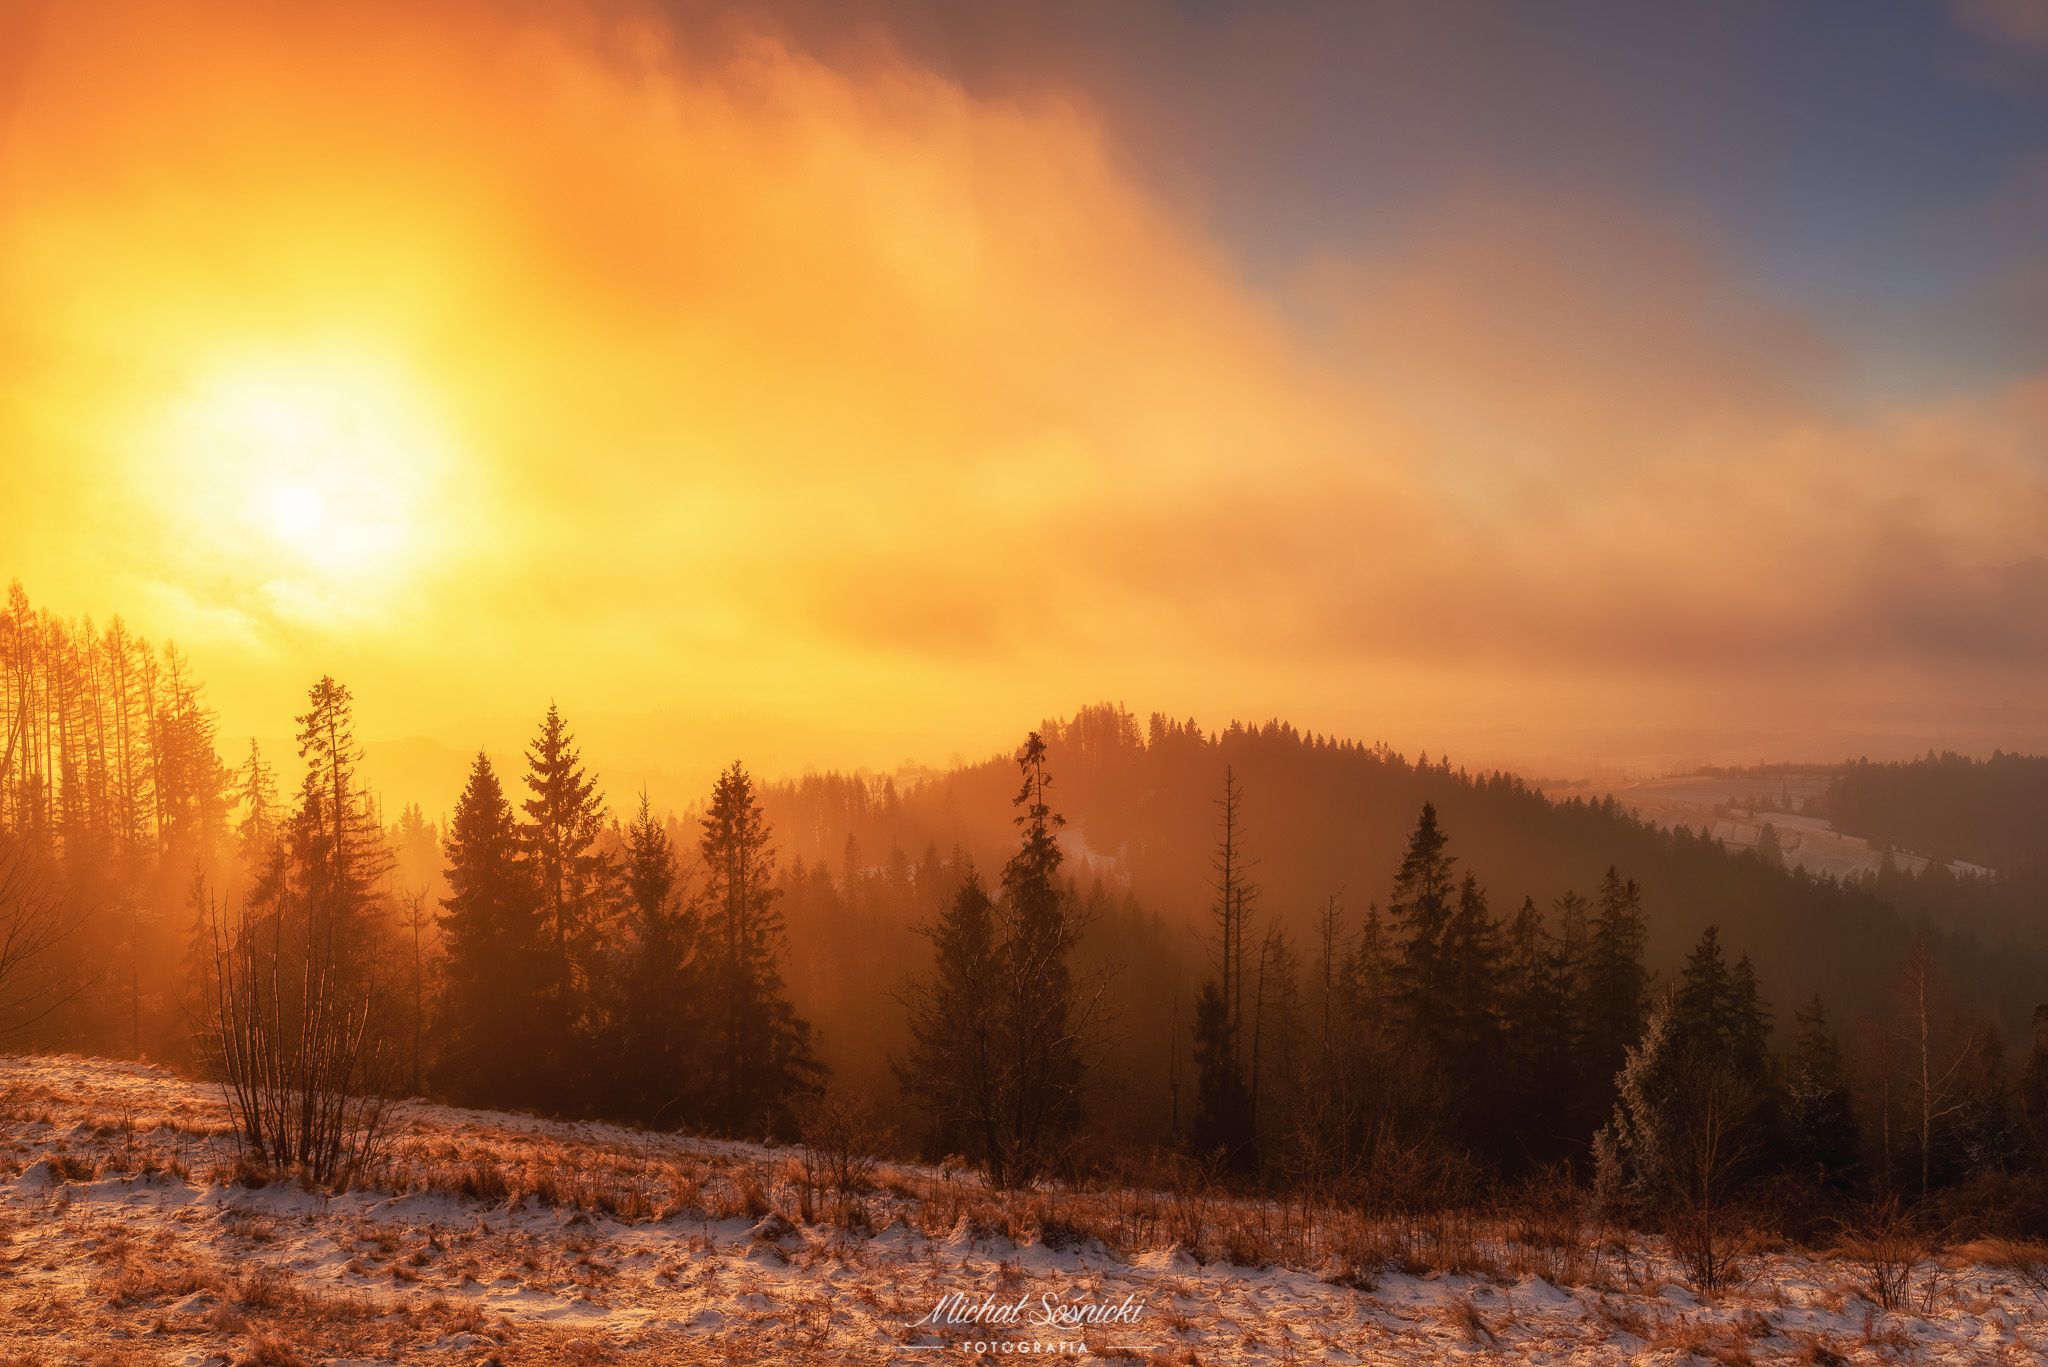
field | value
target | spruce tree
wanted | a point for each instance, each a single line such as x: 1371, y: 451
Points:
x: 1583, y: 1095
x: 572, y: 875
x: 1721, y: 1026
x: 259, y: 832
x: 1471, y: 1046
x: 191, y: 783
x: 2033, y: 1091
x: 1820, y: 1123
x: 759, y: 1062
x: 338, y: 851
x: 1984, y: 1138
x: 1044, y: 1026
x: 488, y: 1033
x: 956, y: 1070
x: 1748, y: 1027
x: 1538, y: 1052
x: 1705, y: 1004
x: 1421, y: 911
x: 656, y: 995
x: 1231, y: 910
x: 1617, y: 991
x: 1222, y: 1128
x: 1372, y: 985
x: 1720, y: 1008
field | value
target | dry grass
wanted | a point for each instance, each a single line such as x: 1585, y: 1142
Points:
x: 1710, y: 1343
x: 2024, y: 1259
x: 394, y: 1286
x: 1463, y: 1318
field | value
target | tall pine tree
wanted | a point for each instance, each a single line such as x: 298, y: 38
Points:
x: 759, y: 1061
x: 338, y: 848
x: 656, y: 1011
x: 956, y: 1070
x: 1820, y: 1122
x: 489, y: 1037
x: 1421, y: 912
x: 1045, y: 1021
x: 573, y: 879
x: 1617, y: 994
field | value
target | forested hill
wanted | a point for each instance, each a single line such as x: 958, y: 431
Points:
x: 1323, y: 816
x: 1991, y: 812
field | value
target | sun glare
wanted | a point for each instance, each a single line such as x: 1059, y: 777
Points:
x: 306, y: 480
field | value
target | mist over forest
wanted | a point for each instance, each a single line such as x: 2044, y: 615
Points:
x: 1303, y: 682
x: 565, y: 948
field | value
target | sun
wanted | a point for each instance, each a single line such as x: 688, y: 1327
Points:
x: 305, y: 479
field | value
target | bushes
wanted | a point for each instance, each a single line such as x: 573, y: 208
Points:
x: 843, y: 1139
x: 294, y: 1037
x: 1889, y: 1246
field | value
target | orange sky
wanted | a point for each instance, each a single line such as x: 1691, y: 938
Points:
x: 746, y: 396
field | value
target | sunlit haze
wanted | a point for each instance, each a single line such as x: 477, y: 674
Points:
x: 1225, y: 681
x: 854, y: 386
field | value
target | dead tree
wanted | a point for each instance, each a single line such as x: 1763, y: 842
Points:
x: 35, y: 918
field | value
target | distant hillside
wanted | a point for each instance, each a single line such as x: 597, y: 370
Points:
x: 1325, y: 816
x: 1991, y: 812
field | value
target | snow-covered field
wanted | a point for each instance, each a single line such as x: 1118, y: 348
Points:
x: 1723, y: 804
x: 128, y: 1234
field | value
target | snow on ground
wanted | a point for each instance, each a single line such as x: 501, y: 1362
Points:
x: 1736, y: 807
x: 129, y: 1234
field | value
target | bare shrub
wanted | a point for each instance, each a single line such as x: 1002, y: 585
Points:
x: 1888, y: 1245
x: 843, y: 1139
x: 292, y: 1037
x: 1187, y: 1207
x: 1549, y: 1228
x: 1359, y: 1252
x: 1442, y: 1238
x: 1708, y: 1245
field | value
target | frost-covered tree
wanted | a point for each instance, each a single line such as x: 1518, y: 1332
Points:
x: 1682, y: 1140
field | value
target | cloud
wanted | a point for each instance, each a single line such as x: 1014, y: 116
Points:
x: 809, y: 381
x: 2016, y: 23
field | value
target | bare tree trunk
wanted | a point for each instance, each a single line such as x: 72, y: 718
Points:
x: 419, y: 985
x: 1926, y: 1073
